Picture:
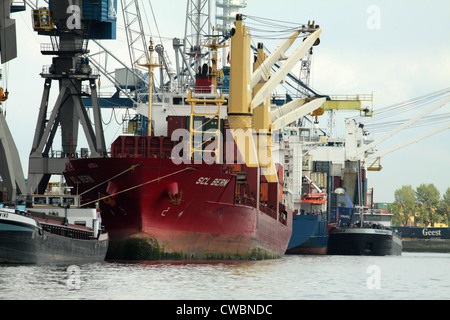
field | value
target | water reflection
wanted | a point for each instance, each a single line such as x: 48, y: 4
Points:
x: 410, y: 276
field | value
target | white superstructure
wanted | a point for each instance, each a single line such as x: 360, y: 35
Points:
x: 230, y: 8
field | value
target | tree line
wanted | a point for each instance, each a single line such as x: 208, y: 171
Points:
x: 424, y: 206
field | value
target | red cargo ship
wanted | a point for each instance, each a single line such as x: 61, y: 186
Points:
x: 154, y: 208
x: 158, y: 210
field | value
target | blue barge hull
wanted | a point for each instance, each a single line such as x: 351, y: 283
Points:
x: 309, y: 235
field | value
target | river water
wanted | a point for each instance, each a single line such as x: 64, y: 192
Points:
x: 410, y: 276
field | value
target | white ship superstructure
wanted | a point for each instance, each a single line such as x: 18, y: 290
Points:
x: 230, y: 8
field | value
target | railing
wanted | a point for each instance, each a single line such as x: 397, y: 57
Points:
x: 238, y: 3
x: 68, y: 232
x: 352, y: 97
x: 262, y: 207
x: 58, y: 154
x: 47, y: 70
x: 58, y: 47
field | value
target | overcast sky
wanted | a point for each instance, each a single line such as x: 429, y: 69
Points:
x: 399, y: 50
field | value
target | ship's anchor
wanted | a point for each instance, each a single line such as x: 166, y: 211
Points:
x: 175, y: 199
x: 174, y: 195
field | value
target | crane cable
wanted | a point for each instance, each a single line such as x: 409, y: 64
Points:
x: 400, y: 108
x: 379, y: 122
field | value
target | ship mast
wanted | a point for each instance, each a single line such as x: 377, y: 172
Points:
x: 214, y: 46
x: 150, y: 65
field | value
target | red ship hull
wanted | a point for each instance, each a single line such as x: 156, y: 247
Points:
x: 159, y: 210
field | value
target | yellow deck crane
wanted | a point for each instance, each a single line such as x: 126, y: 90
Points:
x: 263, y: 83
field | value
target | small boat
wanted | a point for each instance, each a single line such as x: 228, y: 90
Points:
x: 45, y: 234
x: 370, y: 239
x: 361, y: 237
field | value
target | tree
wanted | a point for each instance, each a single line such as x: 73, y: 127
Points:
x: 428, y: 198
x: 444, y: 207
x: 405, y: 195
x: 424, y: 204
x: 446, y: 197
x: 444, y: 213
x: 427, y: 194
x: 404, y: 205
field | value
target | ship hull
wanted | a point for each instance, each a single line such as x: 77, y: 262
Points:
x: 364, y: 241
x: 24, y: 242
x: 309, y: 235
x: 160, y: 210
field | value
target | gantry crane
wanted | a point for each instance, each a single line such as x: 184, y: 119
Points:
x: 69, y: 25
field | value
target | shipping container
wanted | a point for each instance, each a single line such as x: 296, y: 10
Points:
x: 424, y: 233
x: 336, y: 170
x: 166, y: 147
x: 264, y: 189
x: 175, y: 122
x: 363, y: 174
x: 322, y: 166
x: 213, y: 124
x: 142, y: 146
x: 319, y: 179
x: 280, y: 174
x: 382, y: 205
x: 154, y: 149
x: 210, y: 127
x: 198, y: 123
x: 337, y: 182
x: 129, y: 146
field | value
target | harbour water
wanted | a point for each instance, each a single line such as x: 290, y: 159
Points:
x: 410, y: 276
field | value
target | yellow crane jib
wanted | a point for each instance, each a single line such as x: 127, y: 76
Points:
x: 351, y: 102
x: 294, y: 110
x: 240, y: 108
x: 377, y: 168
x: 262, y: 125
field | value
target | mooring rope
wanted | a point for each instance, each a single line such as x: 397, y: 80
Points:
x: 139, y: 185
x: 134, y: 166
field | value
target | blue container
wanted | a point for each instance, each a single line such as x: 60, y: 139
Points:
x: 99, y: 15
x: 103, y: 17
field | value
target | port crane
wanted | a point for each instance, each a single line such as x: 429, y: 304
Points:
x: 69, y: 32
x: 376, y: 156
x: 12, y: 180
